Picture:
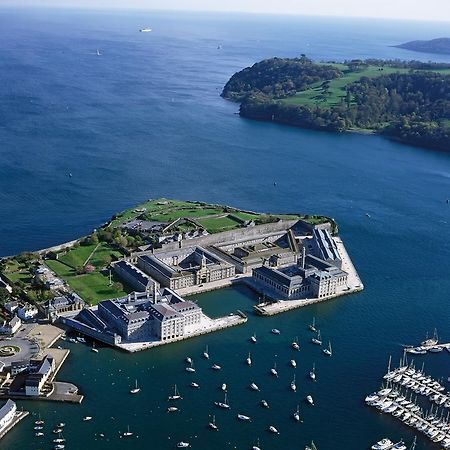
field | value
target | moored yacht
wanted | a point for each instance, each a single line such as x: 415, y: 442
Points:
x: 384, y: 444
x: 310, y: 400
x: 317, y: 340
x: 254, y: 387
x: 273, y: 370
x: 206, y: 353
x: 176, y: 395
x: 244, y: 417
x: 296, y: 414
x: 183, y: 444
x: 328, y: 351
x: 293, y: 385
x: 213, y: 425
x: 275, y: 331
x: 293, y: 363
x: 136, y: 389
x: 273, y: 429
x: 312, y: 374
x: 223, y: 404
x: 295, y: 345
x: 249, y: 359
x: 253, y: 338
x: 312, y: 327
x: 216, y: 367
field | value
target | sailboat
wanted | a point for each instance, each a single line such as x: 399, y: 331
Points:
x: 328, y: 350
x: 256, y: 447
x: 183, y: 444
x: 312, y: 374
x: 190, y: 368
x: 244, y: 417
x: 223, y: 404
x: 253, y: 338
x: 310, y: 400
x: 272, y: 429
x: 312, y: 327
x: 176, y: 395
x: 98, y: 53
x: 273, y: 370
x: 254, y: 386
x: 93, y: 348
x: 216, y: 367
x: 39, y: 421
x: 317, y: 340
x: 206, y: 353
x: 264, y: 404
x: 296, y: 415
x: 293, y: 363
x: 195, y: 385
x: 295, y: 344
x: 188, y: 360
x: 312, y: 446
x: 136, y: 389
x: 293, y: 385
x: 249, y: 359
x: 213, y: 425
x: 127, y: 433
x: 224, y: 387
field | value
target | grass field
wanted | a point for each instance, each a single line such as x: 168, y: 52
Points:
x: 76, y: 257
x: 218, y: 224
x: 17, y: 272
x: 92, y: 287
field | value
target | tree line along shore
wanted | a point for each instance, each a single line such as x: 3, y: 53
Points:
x: 405, y: 100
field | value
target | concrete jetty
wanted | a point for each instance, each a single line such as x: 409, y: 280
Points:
x: 18, y: 417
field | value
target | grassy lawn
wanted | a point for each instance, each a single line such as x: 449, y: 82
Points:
x: 173, y: 214
x: 17, y: 272
x: 76, y: 257
x: 217, y: 224
x: 92, y: 287
x: 246, y: 216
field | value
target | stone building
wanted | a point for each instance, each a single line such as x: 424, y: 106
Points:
x: 185, y: 267
x: 64, y: 304
x: 132, y: 276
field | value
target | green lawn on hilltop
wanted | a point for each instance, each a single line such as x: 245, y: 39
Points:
x: 77, y: 256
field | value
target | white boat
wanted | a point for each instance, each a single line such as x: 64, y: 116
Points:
x: 274, y: 371
x: 432, y: 341
x: 384, y: 444
x: 145, y: 30
x: 183, y: 444
x: 293, y: 363
x: 310, y: 400
x: 94, y: 348
x: 317, y: 340
x: 293, y: 385
x: 172, y: 409
x: 188, y: 360
x: 256, y: 447
x: 39, y: 433
x: 216, y: 367
x: 243, y: 417
x: 80, y: 338
x: 253, y: 339
x: 190, y: 368
x: 61, y: 425
x: 254, y: 387
x: 295, y: 344
x: 176, y: 395
x: 39, y: 421
x: 136, y: 389
x: 213, y: 425
x: 59, y: 440
x: 249, y: 359
x: 275, y: 331
x: 312, y: 374
x: 59, y: 447
x: 224, y: 387
x: 264, y: 404
x: 194, y: 384
x: 223, y: 404
x: 127, y: 433
x: 312, y: 327
x: 296, y: 415
x: 206, y: 353
x: 328, y: 351
x: 273, y: 429
x: 87, y: 418
x: 57, y: 430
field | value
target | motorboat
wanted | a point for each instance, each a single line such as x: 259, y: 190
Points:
x: 38, y: 427
x: 275, y: 331
x: 188, y: 360
x: 172, y: 409
x: 249, y: 359
x: 206, y: 353
x: 310, y: 400
x: 183, y: 444
x: 223, y: 404
x: 136, y: 389
x: 61, y: 425
x: 264, y: 404
x: 87, y: 418
x: 253, y: 339
x: 216, y: 367
x: 176, y: 395
x: 244, y: 417
x: 145, y: 30
x: 57, y: 430
x: 293, y: 363
x: 39, y: 434
x: 273, y: 429
x: 254, y: 387
x: 384, y: 444
x: 194, y: 385
x: 295, y: 345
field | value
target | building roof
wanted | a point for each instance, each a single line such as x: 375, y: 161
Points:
x: 183, y: 306
x: 326, y: 245
x: 162, y: 311
x: 282, y: 278
x: 133, y: 272
x: 7, y: 408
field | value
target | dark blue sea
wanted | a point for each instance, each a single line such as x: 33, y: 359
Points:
x: 145, y: 119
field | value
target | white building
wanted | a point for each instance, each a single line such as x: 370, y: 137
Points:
x: 11, y: 326
x: 7, y: 414
x: 27, y: 311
